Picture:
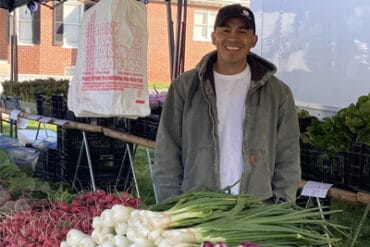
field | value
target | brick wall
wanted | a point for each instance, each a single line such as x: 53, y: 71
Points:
x: 47, y: 59
x: 3, y: 34
x: 158, y: 46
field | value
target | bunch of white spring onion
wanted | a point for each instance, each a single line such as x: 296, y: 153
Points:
x: 125, y: 226
x: 190, y: 219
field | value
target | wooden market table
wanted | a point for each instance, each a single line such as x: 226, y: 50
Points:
x: 128, y: 139
x: 336, y: 193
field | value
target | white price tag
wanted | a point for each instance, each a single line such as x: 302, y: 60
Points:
x: 45, y: 119
x: 61, y: 122
x: 14, y: 114
x: 315, y: 189
x: 34, y: 117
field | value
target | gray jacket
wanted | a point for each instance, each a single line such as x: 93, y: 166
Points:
x: 187, y: 155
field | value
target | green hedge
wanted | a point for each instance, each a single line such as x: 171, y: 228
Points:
x: 26, y: 90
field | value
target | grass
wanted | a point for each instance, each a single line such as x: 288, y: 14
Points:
x: 142, y: 173
x: 158, y: 85
x: 31, y: 124
x: 350, y: 216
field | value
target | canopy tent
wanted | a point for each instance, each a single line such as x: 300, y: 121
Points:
x: 10, y: 5
x: 176, y: 44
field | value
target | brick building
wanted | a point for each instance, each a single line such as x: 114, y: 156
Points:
x: 47, y: 39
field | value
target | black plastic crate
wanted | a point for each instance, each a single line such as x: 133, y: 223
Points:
x: 52, y: 106
x: 122, y: 124
x: 323, y: 165
x: 47, y: 167
x: 59, y: 106
x: 69, y: 142
x: 354, y: 164
x: 107, y: 181
x: 365, y: 169
x: 109, y: 122
x: 105, y: 168
x: 43, y: 105
x: 146, y: 127
x: 309, y: 162
x: 89, y: 120
x: 106, y: 155
x: 102, y: 160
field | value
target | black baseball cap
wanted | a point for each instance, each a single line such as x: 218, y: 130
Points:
x: 235, y: 11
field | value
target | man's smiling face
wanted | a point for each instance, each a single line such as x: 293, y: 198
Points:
x: 233, y: 42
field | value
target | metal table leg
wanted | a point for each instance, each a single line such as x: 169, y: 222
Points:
x: 321, y: 211
x: 151, y: 173
x: 85, y: 145
x: 130, y: 156
x: 118, y: 179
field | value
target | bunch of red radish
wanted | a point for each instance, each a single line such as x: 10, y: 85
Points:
x: 48, y: 224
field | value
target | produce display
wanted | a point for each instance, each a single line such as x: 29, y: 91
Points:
x: 350, y: 124
x: 48, y: 223
x: 208, y: 219
x: 34, y: 213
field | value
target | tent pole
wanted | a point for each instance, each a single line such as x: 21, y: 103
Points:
x: 178, y: 37
x: 183, y: 39
x: 12, y: 56
x: 15, y: 59
x: 13, y: 50
x: 170, y: 37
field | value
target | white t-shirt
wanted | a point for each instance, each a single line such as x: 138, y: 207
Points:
x: 231, y: 93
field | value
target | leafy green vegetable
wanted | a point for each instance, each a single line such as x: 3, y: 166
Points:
x: 337, y: 133
x: 20, y: 183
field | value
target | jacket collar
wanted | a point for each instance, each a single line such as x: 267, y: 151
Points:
x: 261, y: 69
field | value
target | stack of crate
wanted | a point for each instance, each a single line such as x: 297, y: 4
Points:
x: 106, y: 155
x: 147, y: 127
x: 348, y: 170
x: 359, y: 167
x: 47, y: 167
x: 323, y: 165
x: 51, y: 106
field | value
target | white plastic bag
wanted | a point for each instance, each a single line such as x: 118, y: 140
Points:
x: 110, y: 74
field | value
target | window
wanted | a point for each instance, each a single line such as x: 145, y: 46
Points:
x: 58, y: 25
x: 203, y: 25
x: 67, y: 22
x: 28, y: 26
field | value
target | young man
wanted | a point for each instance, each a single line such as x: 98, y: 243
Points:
x: 229, y: 122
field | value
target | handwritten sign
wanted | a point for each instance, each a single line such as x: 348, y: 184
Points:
x: 45, y: 119
x: 34, y: 117
x: 14, y: 114
x: 61, y: 122
x: 315, y: 189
